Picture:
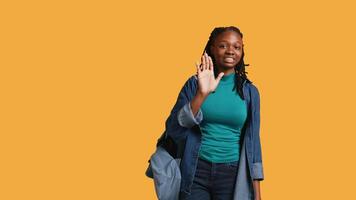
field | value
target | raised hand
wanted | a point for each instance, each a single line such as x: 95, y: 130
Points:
x: 205, y: 73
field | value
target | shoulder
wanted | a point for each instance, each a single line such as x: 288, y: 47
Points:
x: 193, y: 78
x: 191, y: 81
x: 190, y: 85
x: 254, y: 89
x: 253, y: 86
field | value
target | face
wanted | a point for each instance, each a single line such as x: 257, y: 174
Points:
x: 227, y: 50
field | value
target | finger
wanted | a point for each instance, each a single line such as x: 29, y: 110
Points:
x: 211, y: 64
x: 197, y: 65
x: 206, y: 61
x: 201, y: 67
x: 203, y: 62
x: 219, y: 77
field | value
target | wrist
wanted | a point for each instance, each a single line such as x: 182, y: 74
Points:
x: 202, y: 95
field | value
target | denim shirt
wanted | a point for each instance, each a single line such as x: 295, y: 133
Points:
x: 184, y: 129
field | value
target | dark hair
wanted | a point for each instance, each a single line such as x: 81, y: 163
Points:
x: 239, y: 68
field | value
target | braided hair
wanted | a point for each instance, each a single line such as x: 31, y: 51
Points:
x: 239, y: 68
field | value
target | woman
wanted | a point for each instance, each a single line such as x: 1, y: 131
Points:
x: 216, y: 121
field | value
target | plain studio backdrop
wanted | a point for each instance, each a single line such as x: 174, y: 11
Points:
x: 86, y: 87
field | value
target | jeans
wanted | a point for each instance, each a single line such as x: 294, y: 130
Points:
x: 213, y: 181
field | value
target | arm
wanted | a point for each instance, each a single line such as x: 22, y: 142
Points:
x: 173, y: 128
x: 257, y: 158
x: 256, y: 187
x: 191, y: 114
x: 183, y: 113
x: 196, y: 102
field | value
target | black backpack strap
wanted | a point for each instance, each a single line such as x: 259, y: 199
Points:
x: 168, y: 144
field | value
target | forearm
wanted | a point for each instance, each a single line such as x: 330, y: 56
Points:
x: 256, y: 186
x: 196, y: 102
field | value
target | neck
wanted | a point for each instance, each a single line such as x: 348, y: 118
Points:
x: 226, y: 71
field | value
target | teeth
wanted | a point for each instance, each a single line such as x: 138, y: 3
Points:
x: 228, y: 59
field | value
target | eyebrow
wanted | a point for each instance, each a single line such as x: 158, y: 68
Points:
x: 228, y: 42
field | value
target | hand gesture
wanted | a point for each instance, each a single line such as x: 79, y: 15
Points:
x: 205, y: 73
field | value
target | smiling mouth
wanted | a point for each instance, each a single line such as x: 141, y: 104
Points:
x: 229, y: 60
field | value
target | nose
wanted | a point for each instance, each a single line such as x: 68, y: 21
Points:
x: 229, y: 51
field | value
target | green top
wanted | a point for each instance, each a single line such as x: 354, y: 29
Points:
x: 224, y: 116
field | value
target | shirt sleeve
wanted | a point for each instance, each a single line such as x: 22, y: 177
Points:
x: 257, y: 159
x: 186, y: 117
x: 173, y: 128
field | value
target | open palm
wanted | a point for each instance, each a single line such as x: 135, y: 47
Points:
x: 206, y: 79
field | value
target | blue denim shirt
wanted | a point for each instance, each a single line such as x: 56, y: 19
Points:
x: 184, y: 129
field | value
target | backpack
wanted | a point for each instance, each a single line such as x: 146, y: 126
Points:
x: 164, y: 168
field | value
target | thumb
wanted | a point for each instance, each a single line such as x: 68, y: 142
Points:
x: 219, y: 77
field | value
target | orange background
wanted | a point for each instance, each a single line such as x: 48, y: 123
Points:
x: 86, y: 87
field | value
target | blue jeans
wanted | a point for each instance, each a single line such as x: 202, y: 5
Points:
x: 213, y: 181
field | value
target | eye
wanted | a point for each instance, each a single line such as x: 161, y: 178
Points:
x: 222, y: 46
x: 238, y: 47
